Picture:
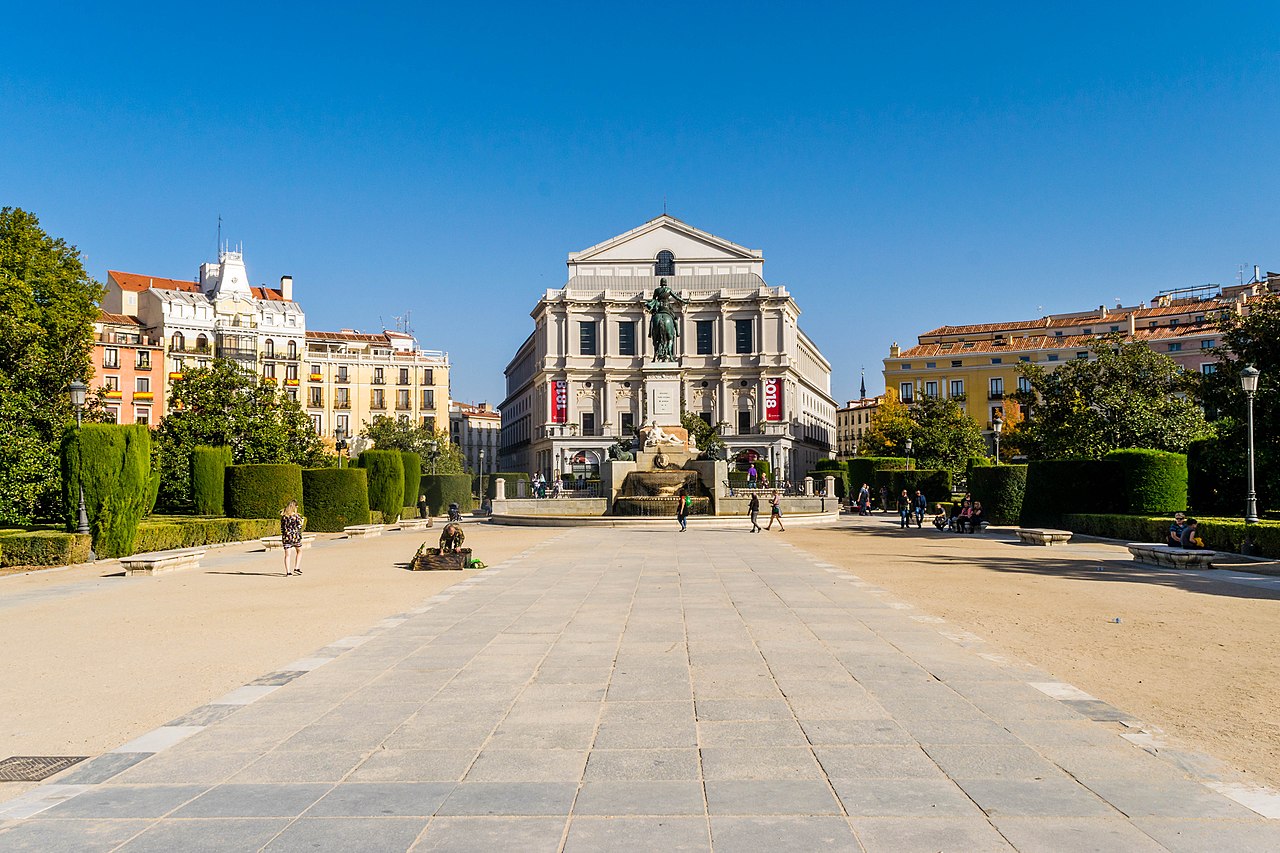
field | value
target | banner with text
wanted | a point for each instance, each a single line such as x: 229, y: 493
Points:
x: 773, y: 399
x: 559, y: 401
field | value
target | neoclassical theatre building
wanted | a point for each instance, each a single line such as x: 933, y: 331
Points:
x: 576, y: 383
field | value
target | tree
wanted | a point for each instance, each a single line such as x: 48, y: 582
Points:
x: 1126, y: 396
x: 225, y: 404
x: 395, y: 434
x: 47, y: 307
x: 943, y: 435
x: 705, y: 436
x: 890, y: 428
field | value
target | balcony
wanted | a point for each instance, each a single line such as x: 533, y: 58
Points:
x: 143, y: 365
x: 403, y: 407
x: 316, y: 403
x: 995, y: 395
x: 113, y: 395
x: 378, y: 380
x: 275, y: 356
x: 270, y: 380
x: 143, y: 395
x: 111, y: 364
x: 175, y: 376
x: 344, y: 379
x: 342, y: 404
x: 378, y: 406
x: 192, y: 350
x: 292, y: 383
x: 315, y: 377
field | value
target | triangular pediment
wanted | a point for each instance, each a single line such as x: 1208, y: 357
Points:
x: 665, y: 233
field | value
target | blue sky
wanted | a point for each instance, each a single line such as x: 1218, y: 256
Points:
x: 901, y: 165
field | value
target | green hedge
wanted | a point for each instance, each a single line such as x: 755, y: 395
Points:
x: 1056, y: 487
x: 208, y: 479
x: 1153, y: 481
x: 261, y: 491
x: 863, y: 469
x: 412, y: 463
x: 386, y: 481
x: 511, y: 477
x: 336, y: 498
x: 113, y: 464
x: 44, y: 548
x: 166, y: 535
x: 936, y: 484
x: 1001, y: 489
x: 444, y: 489
x: 833, y: 468
x: 820, y: 481
x: 1219, y: 534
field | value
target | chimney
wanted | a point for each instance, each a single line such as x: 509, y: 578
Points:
x: 895, y: 350
x: 1133, y: 323
x: 286, y: 287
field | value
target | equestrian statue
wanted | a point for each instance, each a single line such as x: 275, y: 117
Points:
x: 663, y: 329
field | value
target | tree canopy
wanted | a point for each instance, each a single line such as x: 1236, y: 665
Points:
x: 890, y: 428
x: 48, y: 303
x: 1126, y: 395
x: 395, y: 434
x: 942, y: 434
x: 224, y: 404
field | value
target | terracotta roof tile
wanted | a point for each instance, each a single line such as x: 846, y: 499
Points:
x: 119, y: 319
x: 137, y: 283
x: 959, y: 349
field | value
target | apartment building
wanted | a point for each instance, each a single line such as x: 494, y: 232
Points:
x: 128, y: 365
x: 476, y: 429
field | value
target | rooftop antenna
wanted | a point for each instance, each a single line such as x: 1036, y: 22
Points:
x: 218, y: 248
x: 664, y: 204
x: 862, y: 391
x: 1240, y: 274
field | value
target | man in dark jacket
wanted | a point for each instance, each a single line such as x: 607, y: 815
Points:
x: 921, y: 504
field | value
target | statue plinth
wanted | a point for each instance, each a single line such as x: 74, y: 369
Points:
x: 662, y: 394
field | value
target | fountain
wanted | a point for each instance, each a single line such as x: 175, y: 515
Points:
x: 654, y: 493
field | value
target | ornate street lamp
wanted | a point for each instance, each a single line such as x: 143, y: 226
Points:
x: 998, y: 426
x: 1249, y: 384
x: 432, y: 446
x: 908, y: 449
x: 482, y: 475
x: 78, y: 391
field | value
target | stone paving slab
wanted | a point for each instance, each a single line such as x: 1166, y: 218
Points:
x: 635, y: 690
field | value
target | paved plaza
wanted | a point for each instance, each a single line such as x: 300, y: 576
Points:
x: 644, y: 690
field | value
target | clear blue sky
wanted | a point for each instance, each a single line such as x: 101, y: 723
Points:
x: 902, y: 166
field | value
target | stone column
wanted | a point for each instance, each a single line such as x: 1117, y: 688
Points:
x: 831, y: 486
x: 808, y: 487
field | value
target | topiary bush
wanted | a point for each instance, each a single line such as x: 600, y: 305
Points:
x: 1001, y: 489
x: 44, y: 548
x: 511, y: 477
x: 336, y: 498
x: 386, y: 482
x: 935, y: 483
x: 444, y: 489
x: 262, y: 491
x: 166, y: 535
x: 1056, y: 487
x: 113, y: 464
x: 412, y: 478
x: 208, y: 479
x: 1153, y: 481
x: 833, y: 468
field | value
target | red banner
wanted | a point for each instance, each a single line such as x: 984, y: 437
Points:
x: 559, y: 401
x: 773, y: 399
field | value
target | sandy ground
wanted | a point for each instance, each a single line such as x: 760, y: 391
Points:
x: 92, y: 662
x: 1195, y: 657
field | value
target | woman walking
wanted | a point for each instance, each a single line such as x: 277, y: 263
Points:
x: 682, y: 509
x: 754, y: 509
x: 775, y: 511
x: 291, y: 538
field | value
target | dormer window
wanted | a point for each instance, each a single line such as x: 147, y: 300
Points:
x: 666, y: 264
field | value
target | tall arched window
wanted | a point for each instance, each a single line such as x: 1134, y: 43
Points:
x: 293, y: 349
x: 271, y: 348
x: 177, y: 342
x: 666, y: 264
x: 202, y: 343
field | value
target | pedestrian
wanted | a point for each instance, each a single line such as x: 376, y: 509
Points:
x: 864, y: 500
x: 1179, y: 524
x: 752, y: 476
x: 682, y: 509
x: 921, y: 504
x: 753, y: 508
x: 291, y: 524
x: 775, y: 511
x: 904, y: 510
x: 884, y: 498
x: 424, y: 511
x: 558, y: 488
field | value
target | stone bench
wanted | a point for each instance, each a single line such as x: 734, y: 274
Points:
x: 1043, y: 536
x: 414, y: 523
x: 363, y: 531
x: 1168, y: 557
x: 275, y: 543
x: 156, y: 562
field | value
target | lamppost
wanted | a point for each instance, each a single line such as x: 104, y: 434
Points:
x: 341, y: 446
x: 432, y: 446
x: 998, y: 426
x: 78, y: 390
x: 482, y: 475
x: 908, y: 449
x: 1249, y: 383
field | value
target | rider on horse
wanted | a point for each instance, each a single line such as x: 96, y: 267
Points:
x: 663, y: 329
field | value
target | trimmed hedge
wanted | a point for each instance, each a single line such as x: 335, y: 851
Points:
x: 834, y: 468
x: 1056, y: 487
x: 336, y: 498
x: 1000, y: 488
x: 166, y: 535
x: 412, y: 463
x: 820, y: 481
x: 113, y: 464
x: 261, y: 491
x: 208, y: 479
x: 444, y: 489
x: 1153, y: 481
x: 511, y: 477
x: 863, y: 469
x: 1219, y: 534
x: 44, y: 548
x: 936, y: 484
x: 386, y: 481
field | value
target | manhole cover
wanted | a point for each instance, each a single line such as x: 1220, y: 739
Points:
x: 35, y: 768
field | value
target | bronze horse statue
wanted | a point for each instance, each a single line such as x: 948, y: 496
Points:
x: 663, y: 329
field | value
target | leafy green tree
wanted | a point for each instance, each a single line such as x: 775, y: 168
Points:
x: 943, y: 436
x: 224, y: 404
x: 891, y: 426
x: 395, y: 434
x: 704, y: 435
x: 47, y: 307
x: 1127, y: 396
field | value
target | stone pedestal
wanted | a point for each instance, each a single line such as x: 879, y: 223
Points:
x: 662, y: 394
x: 808, y: 487
x: 830, y: 486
